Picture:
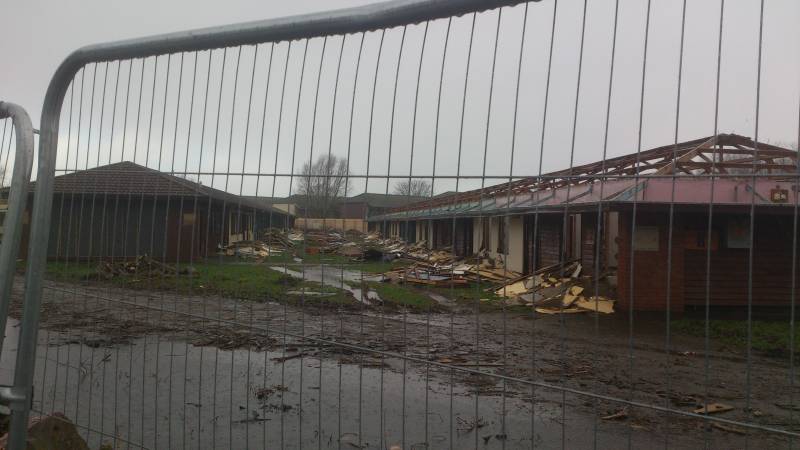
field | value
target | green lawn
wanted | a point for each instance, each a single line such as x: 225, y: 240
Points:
x: 770, y: 337
x: 467, y: 293
x: 245, y: 279
x: 395, y: 295
x: 242, y: 281
x: 467, y: 296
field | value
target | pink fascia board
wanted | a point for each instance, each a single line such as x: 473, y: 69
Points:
x: 726, y: 191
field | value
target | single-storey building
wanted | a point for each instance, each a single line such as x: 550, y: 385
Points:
x: 637, y: 214
x: 343, y: 213
x: 124, y: 210
x: 368, y: 204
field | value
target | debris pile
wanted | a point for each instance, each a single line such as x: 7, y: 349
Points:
x: 442, y: 268
x: 143, y: 267
x: 555, y: 289
x: 253, y: 249
x: 317, y: 241
x: 273, y: 242
x: 277, y: 238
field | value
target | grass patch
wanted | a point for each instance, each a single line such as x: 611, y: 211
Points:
x: 466, y: 296
x: 241, y: 281
x: 467, y: 293
x: 396, y: 295
x: 68, y: 271
x: 771, y: 338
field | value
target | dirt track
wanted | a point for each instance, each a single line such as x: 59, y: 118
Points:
x: 581, y: 352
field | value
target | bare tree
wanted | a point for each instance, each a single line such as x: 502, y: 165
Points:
x: 413, y: 188
x: 321, y: 183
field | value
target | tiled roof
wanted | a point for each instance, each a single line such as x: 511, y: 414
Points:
x: 384, y: 200
x: 130, y: 178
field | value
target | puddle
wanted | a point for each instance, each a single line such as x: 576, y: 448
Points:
x: 336, y: 278
x: 169, y: 394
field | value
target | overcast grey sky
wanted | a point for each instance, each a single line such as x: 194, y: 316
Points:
x: 185, y: 133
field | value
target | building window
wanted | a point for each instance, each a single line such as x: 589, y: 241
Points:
x: 188, y: 218
x: 738, y: 232
x: 501, y: 235
x: 646, y: 238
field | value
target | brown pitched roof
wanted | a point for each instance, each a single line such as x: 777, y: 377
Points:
x: 130, y: 178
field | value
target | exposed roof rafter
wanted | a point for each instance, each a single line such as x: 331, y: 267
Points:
x: 721, y: 154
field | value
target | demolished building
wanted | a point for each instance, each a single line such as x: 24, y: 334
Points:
x: 643, y: 217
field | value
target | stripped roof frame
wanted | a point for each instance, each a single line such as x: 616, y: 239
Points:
x: 720, y: 154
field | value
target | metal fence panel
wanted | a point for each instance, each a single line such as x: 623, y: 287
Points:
x: 16, y: 155
x: 590, y: 255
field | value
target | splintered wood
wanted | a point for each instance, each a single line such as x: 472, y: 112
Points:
x: 713, y: 408
x: 599, y: 304
x: 555, y: 289
x: 441, y: 268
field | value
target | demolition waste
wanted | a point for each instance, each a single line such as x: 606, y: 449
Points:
x: 562, y: 288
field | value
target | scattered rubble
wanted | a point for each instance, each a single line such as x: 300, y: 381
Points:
x: 264, y: 393
x: 143, y: 267
x: 728, y: 428
x: 619, y: 415
x: 713, y: 408
x: 253, y: 249
x: 230, y: 339
x: 273, y: 242
x: 555, y: 289
x: 441, y: 268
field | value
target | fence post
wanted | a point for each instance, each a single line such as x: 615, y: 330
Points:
x: 18, y: 395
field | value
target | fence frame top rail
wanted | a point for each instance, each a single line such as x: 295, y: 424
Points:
x: 358, y: 19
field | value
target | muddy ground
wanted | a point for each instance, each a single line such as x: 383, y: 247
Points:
x: 162, y: 370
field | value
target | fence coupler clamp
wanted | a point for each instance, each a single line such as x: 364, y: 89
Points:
x: 15, y: 398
